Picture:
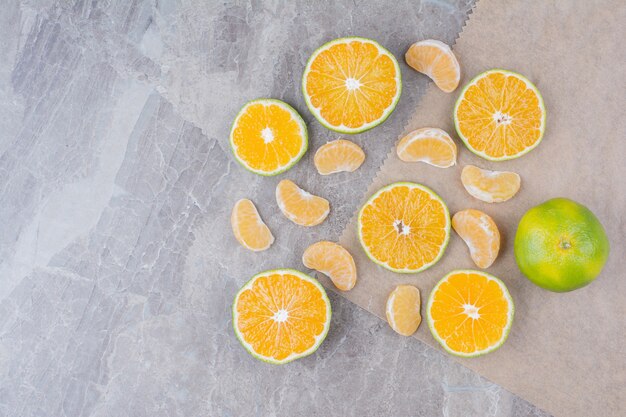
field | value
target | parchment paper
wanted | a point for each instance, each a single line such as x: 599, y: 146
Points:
x: 566, y: 353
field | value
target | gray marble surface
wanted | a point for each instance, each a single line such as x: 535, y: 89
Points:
x: 117, y: 263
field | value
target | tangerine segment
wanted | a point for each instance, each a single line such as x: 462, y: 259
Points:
x: 268, y: 136
x: 403, y: 309
x: 436, y: 60
x: 490, y: 186
x: 338, y: 156
x: 470, y: 313
x: 481, y: 235
x: 430, y: 145
x: 404, y: 227
x: 332, y: 260
x: 248, y: 227
x: 300, y: 206
x: 351, y: 84
x: 500, y: 115
x: 281, y: 315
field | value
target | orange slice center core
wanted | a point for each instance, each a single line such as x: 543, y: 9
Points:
x: 280, y: 316
x: 352, y: 83
x: 502, y: 118
x: 267, y: 135
x: 471, y: 311
x: 403, y: 229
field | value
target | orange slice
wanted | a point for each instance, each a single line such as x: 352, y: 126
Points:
x: 332, y: 260
x: 500, y: 115
x: 299, y: 206
x: 338, y: 156
x: 436, y: 60
x: 430, y: 145
x: 281, y: 315
x: 403, y: 309
x: 268, y: 136
x: 351, y: 84
x: 404, y: 227
x: 470, y: 313
x: 481, y: 235
x: 248, y: 227
x: 490, y: 186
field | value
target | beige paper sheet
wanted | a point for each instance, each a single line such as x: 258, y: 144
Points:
x: 566, y: 352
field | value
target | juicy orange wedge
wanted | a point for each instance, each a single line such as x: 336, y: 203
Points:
x: 436, y: 60
x: 500, y: 115
x: 430, y: 145
x: 490, y: 186
x: 470, y: 313
x: 351, y: 84
x: 281, y: 315
x: 332, y: 260
x: 338, y: 156
x: 300, y: 206
x: 481, y: 235
x: 248, y: 227
x: 403, y: 309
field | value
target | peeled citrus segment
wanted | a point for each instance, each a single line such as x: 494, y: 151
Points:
x: 248, y: 227
x: 430, y: 145
x: 404, y: 227
x: 403, y: 309
x: 500, y: 115
x: 281, y: 315
x: 470, y: 313
x: 481, y: 235
x: 268, y: 136
x: 351, y: 84
x: 299, y: 206
x: 436, y: 60
x: 332, y: 260
x: 490, y: 186
x: 338, y: 156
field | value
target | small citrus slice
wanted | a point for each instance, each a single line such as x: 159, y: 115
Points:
x: 403, y: 309
x: 436, y: 60
x: 268, y: 136
x: 470, y: 313
x: 281, y: 315
x: 248, y: 227
x: 500, y: 115
x: 332, y: 260
x: 490, y: 186
x: 404, y: 227
x: 430, y: 145
x: 351, y: 84
x: 480, y: 233
x: 338, y: 156
x: 300, y: 206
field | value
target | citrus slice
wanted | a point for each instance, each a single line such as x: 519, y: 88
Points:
x: 281, y: 315
x: 332, y: 260
x: 436, y: 60
x: 500, y: 115
x: 338, y: 156
x: 248, y: 227
x: 430, y: 145
x: 480, y: 233
x: 470, y: 313
x: 300, y: 206
x: 268, y: 136
x: 351, y: 84
x: 490, y: 186
x: 403, y: 309
x: 404, y: 227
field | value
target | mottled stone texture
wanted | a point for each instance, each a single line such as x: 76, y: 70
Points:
x: 117, y: 264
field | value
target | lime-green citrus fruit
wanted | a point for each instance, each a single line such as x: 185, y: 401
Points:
x: 560, y: 245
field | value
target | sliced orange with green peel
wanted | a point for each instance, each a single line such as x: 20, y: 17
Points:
x: 351, y: 84
x: 248, y: 227
x: 332, y: 260
x: 470, y: 313
x: 500, y: 115
x: 490, y: 186
x: 436, y: 60
x: 338, y: 156
x: 481, y: 235
x: 268, y: 137
x: 281, y: 315
x: 430, y: 145
x: 404, y: 227
x: 403, y: 309
x: 300, y: 206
